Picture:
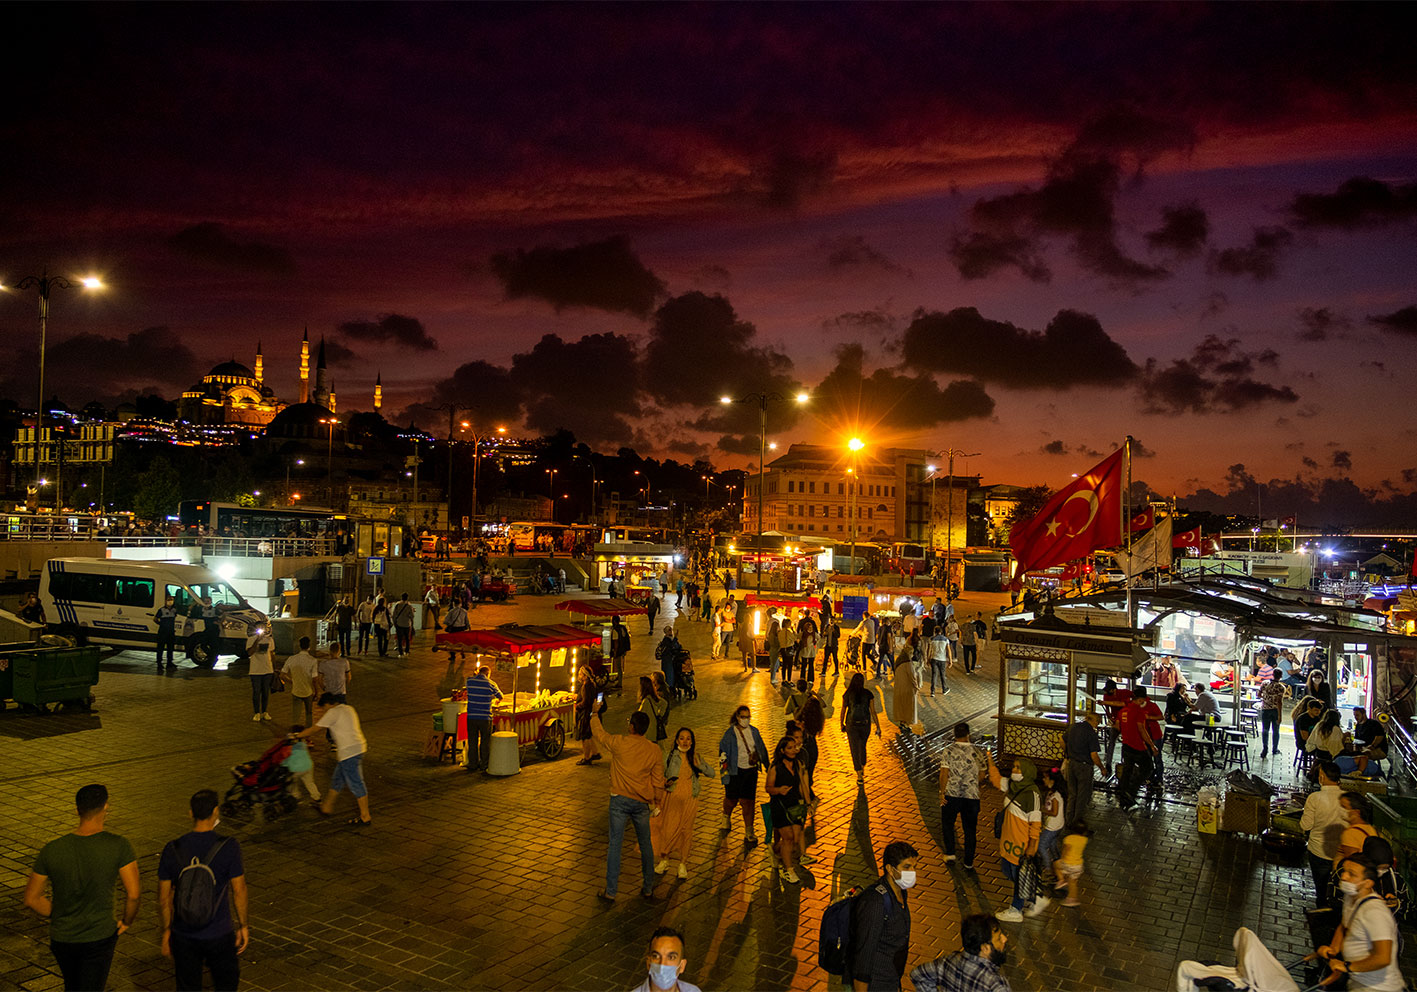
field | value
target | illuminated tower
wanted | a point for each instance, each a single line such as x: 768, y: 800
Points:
x: 378, y: 392
x: 305, y: 367
x: 322, y: 386
x: 260, y: 365
x: 332, y: 396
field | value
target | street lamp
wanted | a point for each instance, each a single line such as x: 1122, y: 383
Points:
x: 477, y: 440
x: 298, y: 461
x: 855, y: 444
x: 762, y: 401
x: 330, y: 455
x: 44, y: 283
x: 952, y: 454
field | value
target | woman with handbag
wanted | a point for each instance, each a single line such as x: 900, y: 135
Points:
x: 741, y: 752
x: 1018, y: 826
x: 672, y: 831
x: 788, y: 805
x: 654, y: 706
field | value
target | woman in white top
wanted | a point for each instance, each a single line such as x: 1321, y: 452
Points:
x: 1327, y: 737
x: 262, y: 671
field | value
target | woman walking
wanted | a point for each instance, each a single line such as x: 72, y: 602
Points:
x: 587, y: 695
x: 672, y: 831
x: 655, y: 706
x: 1021, y: 830
x: 262, y: 671
x: 807, y: 649
x: 858, y: 713
x: 382, y: 622
x: 788, y: 803
x: 905, y: 685
x: 741, y: 752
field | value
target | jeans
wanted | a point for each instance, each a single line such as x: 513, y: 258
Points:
x: 302, y: 706
x: 1012, y: 873
x: 1079, y: 777
x: 1136, y: 769
x: 830, y: 656
x: 364, y: 637
x: 774, y: 655
x: 479, y: 736
x: 1109, y: 742
x: 856, y: 735
x: 381, y: 635
x: 789, y: 656
x: 968, y: 811
x: 190, y: 956
x: 84, y: 965
x: 404, y: 637
x: 971, y: 657
x: 808, y: 668
x: 1269, y: 728
x: 343, y: 637
x: 937, y: 667
x: 622, y: 809
x: 260, y: 692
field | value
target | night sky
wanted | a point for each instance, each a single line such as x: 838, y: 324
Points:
x: 1019, y: 230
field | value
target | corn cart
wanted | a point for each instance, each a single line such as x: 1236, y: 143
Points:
x: 795, y: 607
x: 535, y: 667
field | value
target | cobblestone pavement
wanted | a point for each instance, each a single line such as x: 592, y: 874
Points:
x: 465, y: 882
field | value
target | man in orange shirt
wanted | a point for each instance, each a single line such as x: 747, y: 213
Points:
x: 636, y: 791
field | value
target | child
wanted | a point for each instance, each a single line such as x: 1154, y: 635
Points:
x: 1068, y: 867
x: 1054, y: 800
x: 298, y: 763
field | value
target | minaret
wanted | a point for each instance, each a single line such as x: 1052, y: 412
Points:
x: 260, y: 365
x: 378, y: 392
x: 332, y: 396
x: 322, y: 387
x: 305, y: 367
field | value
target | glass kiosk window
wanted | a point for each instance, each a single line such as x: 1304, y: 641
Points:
x: 1353, y: 676
x: 1037, y: 689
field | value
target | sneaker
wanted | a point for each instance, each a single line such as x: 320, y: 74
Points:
x: 790, y: 876
x: 604, y: 896
x: 1039, y: 905
x: 265, y: 716
x: 751, y: 840
x: 803, y: 858
x: 255, y: 718
x: 949, y: 858
x: 726, y: 823
x: 1009, y: 915
x: 662, y: 867
x: 683, y: 870
x: 969, y: 866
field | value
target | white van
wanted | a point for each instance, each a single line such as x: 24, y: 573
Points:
x: 112, y: 601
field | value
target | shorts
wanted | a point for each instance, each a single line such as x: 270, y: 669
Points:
x: 349, y: 776
x: 1069, y: 872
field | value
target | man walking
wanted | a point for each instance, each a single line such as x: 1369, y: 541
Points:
x: 344, y: 624
x: 652, y: 610
x: 939, y: 649
x: 972, y: 968
x: 636, y: 791
x: 960, y: 772
x: 194, y: 876
x: 299, y: 673
x: 166, y: 617
x: 364, y: 616
x: 82, y: 867
x: 403, y: 625
x: 968, y: 646
x: 1082, y: 752
x: 481, y: 690
x: 342, y: 721
x: 1325, y: 819
x: 334, y: 672
x: 1137, y: 748
x: 880, y: 923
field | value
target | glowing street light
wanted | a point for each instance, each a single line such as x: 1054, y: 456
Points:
x: 855, y: 445
x: 330, y: 452
x: 477, y: 440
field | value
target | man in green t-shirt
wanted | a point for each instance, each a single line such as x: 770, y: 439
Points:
x: 82, y: 867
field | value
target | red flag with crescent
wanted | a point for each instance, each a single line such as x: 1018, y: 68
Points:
x: 1078, y: 519
x: 1187, y: 539
x: 1072, y: 570
x: 1145, y: 520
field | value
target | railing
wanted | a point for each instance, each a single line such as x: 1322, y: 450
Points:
x: 1400, y: 739
x: 269, y: 547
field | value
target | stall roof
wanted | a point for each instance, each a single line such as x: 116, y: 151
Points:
x: 785, y: 602
x: 515, y: 638
x: 602, y: 607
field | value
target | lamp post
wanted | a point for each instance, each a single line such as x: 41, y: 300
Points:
x: 44, y: 284
x: 762, y: 401
x: 951, y: 454
x: 855, y: 444
x: 931, y: 469
x: 298, y: 461
x: 477, y: 440
x: 333, y: 422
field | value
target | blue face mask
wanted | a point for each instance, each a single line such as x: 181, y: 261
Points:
x: 664, y: 976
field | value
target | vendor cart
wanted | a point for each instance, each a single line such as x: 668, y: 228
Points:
x: 595, y: 615
x: 550, y: 657
x: 757, y: 607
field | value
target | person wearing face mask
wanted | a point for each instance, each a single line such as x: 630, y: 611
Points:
x: 972, y: 968
x: 666, y: 963
x: 673, y: 830
x: 880, y: 923
x: 787, y: 798
x: 1365, y: 944
x: 741, y: 752
x: 214, y: 943
x: 1021, y: 829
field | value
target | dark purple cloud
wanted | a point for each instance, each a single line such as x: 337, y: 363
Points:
x: 1184, y: 230
x: 980, y: 254
x: 1359, y: 202
x: 1402, y: 321
x: 890, y: 400
x: 391, y: 328
x: 699, y: 350
x: 92, y: 366
x: 1259, y: 260
x: 1320, y: 323
x: 215, y: 244
x: 850, y: 251
x: 602, y: 275
x: 1216, y: 378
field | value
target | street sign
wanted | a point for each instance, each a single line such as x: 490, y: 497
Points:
x: 375, y: 566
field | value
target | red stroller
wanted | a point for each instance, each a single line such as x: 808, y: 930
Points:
x: 262, y: 784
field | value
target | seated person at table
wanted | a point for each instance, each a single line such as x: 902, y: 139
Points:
x: 1325, y: 740
x: 1222, y: 674
x: 1178, y: 705
x: 1369, y: 743
x: 1295, y: 679
x: 1264, y: 667
x: 1306, y: 718
x: 1206, y: 705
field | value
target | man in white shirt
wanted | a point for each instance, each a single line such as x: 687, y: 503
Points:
x: 341, y: 720
x: 1365, y: 944
x: 1324, y: 818
x: 299, y: 672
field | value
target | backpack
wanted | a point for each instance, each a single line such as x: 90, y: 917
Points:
x: 195, y: 895
x: 834, y: 941
x: 858, y: 709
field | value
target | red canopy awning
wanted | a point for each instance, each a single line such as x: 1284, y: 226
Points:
x: 516, y: 639
x: 782, y: 602
x: 602, y: 607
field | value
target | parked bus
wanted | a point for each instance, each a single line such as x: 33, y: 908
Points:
x: 231, y: 520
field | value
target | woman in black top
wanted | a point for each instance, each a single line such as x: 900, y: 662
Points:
x: 1319, y: 689
x: 789, y: 807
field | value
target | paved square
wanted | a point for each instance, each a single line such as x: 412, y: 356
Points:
x: 470, y: 883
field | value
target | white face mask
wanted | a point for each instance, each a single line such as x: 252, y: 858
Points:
x: 743, y: 721
x: 1348, y: 888
x: 907, y: 879
x: 1016, y: 776
x: 684, y: 748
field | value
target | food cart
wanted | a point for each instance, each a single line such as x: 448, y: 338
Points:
x: 596, y: 615
x: 793, y: 607
x: 550, y: 656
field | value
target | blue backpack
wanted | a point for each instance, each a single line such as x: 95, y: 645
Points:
x: 834, y: 942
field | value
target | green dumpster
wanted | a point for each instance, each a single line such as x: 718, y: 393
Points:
x: 54, y: 675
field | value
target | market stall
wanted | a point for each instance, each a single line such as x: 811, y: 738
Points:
x: 756, y: 616
x: 596, y: 615
x: 535, y: 667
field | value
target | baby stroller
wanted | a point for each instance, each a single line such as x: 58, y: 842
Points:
x: 684, y: 677
x: 263, y: 784
x: 1256, y: 969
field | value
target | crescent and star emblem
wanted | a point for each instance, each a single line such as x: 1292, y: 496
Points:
x: 1087, y: 494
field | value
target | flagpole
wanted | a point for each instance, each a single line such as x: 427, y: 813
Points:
x: 1127, y: 527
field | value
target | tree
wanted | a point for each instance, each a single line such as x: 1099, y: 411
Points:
x: 159, y: 490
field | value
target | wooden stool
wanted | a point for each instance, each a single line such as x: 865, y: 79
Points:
x: 1238, y: 754
x: 1250, y: 721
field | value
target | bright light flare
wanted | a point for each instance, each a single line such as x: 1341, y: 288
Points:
x: 856, y: 444
x: 91, y: 282
x: 803, y: 397
x: 725, y: 400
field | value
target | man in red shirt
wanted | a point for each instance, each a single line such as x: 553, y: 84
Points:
x: 1139, y: 726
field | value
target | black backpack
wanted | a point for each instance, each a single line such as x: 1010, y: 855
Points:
x: 834, y: 940
x: 196, y: 897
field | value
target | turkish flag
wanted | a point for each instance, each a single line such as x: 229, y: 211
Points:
x: 1072, y: 570
x: 1288, y: 521
x: 1145, y: 520
x: 1078, y: 519
x: 1187, y: 539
